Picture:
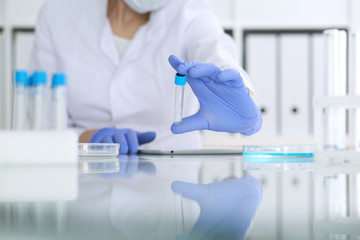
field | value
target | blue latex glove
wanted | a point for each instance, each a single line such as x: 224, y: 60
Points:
x: 225, y: 102
x: 130, y: 165
x: 226, y: 208
x: 128, y: 139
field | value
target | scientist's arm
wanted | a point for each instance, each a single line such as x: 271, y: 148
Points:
x: 85, y: 137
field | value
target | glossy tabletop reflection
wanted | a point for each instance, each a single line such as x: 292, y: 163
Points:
x: 159, y: 197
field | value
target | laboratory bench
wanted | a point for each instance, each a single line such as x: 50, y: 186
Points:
x: 177, y: 197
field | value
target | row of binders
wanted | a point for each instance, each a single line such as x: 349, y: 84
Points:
x: 36, y: 107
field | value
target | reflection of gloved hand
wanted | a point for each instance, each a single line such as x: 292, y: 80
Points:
x: 225, y: 102
x: 227, y: 207
x: 130, y: 166
x: 128, y: 139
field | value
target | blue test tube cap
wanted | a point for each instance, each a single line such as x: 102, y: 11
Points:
x: 180, y: 79
x: 58, y: 79
x: 39, y: 77
x: 21, y: 76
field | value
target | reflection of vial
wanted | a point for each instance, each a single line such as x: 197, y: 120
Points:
x: 354, y: 90
x: 37, y: 101
x: 20, y: 94
x: 180, y: 81
x: 58, y: 102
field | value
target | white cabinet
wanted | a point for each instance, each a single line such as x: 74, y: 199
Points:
x: 2, y: 13
x: 293, y: 13
x: 23, y: 44
x: 2, y: 86
x: 319, y: 64
x: 22, y: 12
x: 261, y: 65
x: 294, y: 84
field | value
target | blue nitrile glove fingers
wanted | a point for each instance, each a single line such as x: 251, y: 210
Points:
x: 146, y: 137
x: 180, y: 66
x: 225, y: 102
x: 120, y: 138
x: 192, y: 191
x: 133, y: 142
x: 227, y: 207
x: 128, y: 139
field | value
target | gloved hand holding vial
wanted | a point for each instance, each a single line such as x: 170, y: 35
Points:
x: 225, y: 102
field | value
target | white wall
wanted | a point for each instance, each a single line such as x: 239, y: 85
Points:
x: 293, y: 13
x: 22, y: 13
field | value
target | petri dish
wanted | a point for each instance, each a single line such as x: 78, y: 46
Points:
x: 98, y: 149
x: 278, y: 151
x: 99, y: 165
x: 278, y: 157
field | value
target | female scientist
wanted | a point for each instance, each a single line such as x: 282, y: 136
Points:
x: 120, y: 85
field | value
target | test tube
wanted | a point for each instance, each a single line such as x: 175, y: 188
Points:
x: 180, y: 81
x: 37, y: 101
x: 20, y: 94
x: 58, y: 101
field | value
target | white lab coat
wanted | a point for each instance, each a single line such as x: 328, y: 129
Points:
x: 136, y: 91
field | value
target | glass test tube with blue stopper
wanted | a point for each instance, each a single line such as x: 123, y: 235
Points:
x: 180, y: 81
x: 58, y: 101
x: 37, y: 101
x: 19, y: 120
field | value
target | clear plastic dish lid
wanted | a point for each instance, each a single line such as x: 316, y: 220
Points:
x: 278, y: 151
x: 99, y: 165
x: 98, y: 149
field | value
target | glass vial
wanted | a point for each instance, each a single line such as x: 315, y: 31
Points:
x: 180, y: 81
x: 19, y: 120
x: 58, y: 102
x: 37, y: 101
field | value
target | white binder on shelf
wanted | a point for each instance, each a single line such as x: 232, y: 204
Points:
x: 294, y: 81
x: 261, y: 65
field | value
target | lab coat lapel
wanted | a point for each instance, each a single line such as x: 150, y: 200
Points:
x: 107, y: 43
x: 143, y: 36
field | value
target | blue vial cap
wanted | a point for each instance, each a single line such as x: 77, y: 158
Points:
x: 39, y: 77
x: 180, y: 79
x: 58, y: 79
x: 21, y: 76
x: 30, y: 82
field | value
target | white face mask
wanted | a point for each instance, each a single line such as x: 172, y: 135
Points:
x: 143, y: 6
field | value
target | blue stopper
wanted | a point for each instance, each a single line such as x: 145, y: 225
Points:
x: 39, y: 77
x: 21, y: 76
x: 180, y: 79
x: 58, y: 79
